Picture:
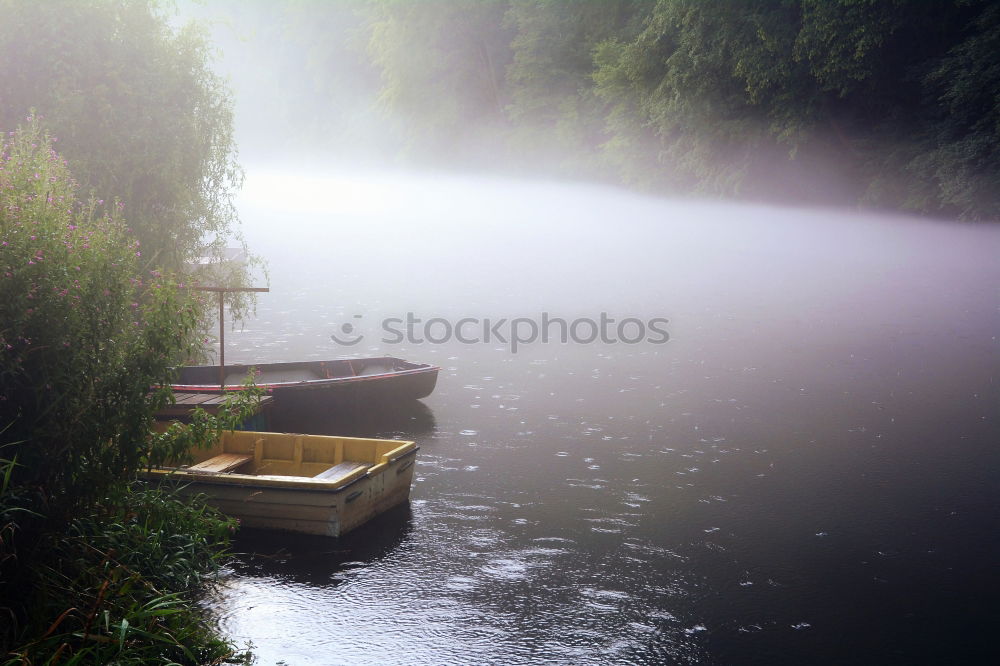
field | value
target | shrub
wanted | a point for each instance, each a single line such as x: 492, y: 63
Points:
x: 83, y: 335
x: 112, y: 588
x: 91, y: 570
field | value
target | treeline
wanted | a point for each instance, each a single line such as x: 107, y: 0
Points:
x: 885, y: 103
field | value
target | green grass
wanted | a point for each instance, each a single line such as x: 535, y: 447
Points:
x: 116, y: 587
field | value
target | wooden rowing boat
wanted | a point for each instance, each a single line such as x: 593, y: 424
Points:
x: 313, y: 484
x: 315, y: 384
x: 330, y: 383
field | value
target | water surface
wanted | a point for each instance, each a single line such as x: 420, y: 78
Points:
x: 805, y: 472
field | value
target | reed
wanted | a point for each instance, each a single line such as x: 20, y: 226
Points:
x: 116, y: 587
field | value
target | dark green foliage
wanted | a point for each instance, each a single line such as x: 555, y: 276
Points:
x: 892, y: 104
x: 962, y: 155
x: 90, y: 570
x: 113, y: 588
x: 84, y: 333
x: 173, y: 445
x: 556, y: 116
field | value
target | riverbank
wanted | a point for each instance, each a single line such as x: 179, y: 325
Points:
x: 119, y: 584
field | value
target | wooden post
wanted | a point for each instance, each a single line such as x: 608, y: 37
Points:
x: 222, y: 344
x: 222, y: 323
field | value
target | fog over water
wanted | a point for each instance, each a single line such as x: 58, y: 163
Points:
x: 804, y: 473
x: 666, y: 429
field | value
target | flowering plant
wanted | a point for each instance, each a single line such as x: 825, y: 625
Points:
x: 84, y: 332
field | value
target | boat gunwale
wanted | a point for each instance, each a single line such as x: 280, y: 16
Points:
x: 304, y: 383
x: 271, y: 481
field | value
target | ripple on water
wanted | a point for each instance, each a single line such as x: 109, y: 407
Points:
x: 506, y: 568
x: 461, y: 583
x: 582, y: 483
x: 483, y: 539
x: 601, y: 599
x: 609, y: 524
x: 473, y: 508
x: 554, y: 540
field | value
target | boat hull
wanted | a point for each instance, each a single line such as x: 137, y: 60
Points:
x: 339, y: 383
x: 301, y: 502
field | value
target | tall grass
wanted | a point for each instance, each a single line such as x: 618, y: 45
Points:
x: 115, y: 589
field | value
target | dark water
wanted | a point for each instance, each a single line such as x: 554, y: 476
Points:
x: 805, y: 473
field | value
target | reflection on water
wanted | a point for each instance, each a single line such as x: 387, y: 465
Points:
x: 399, y: 420
x: 312, y: 560
x: 805, y: 473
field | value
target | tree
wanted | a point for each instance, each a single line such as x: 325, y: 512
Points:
x: 553, y: 110
x: 138, y: 113
x: 714, y: 90
x: 84, y: 333
x: 886, y: 103
x: 442, y: 65
x: 961, y: 160
x: 853, y: 102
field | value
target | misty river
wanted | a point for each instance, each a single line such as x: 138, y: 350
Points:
x: 804, y: 472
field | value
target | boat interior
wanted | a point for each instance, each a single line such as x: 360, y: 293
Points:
x: 319, y: 457
x: 272, y: 373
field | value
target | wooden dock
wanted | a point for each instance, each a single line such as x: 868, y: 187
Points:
x: 185, y: 404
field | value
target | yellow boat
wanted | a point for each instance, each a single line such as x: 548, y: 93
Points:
x: 313, y: 484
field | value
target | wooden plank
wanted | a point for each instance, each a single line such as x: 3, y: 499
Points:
x: 192, y: 398
x: 208, y: 399
x: 343, y: 469
x: 224, y: 462
x: 258, y: 453
x: 210, y: 404
x: 200, y: 399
